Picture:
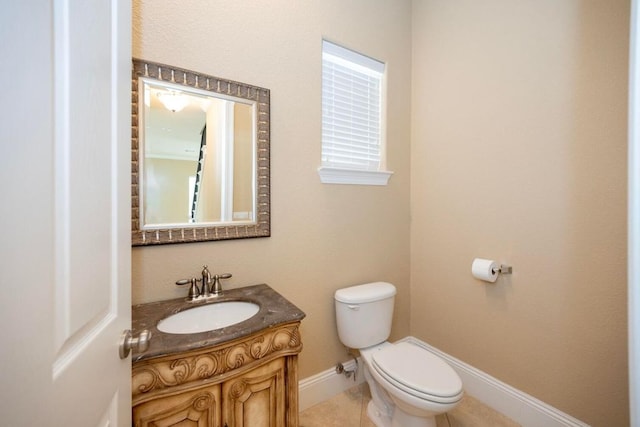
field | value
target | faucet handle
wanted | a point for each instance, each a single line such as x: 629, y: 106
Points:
x: 194, y: 292
x: 216, y: 289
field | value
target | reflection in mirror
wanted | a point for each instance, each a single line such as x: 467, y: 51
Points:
x: 198, y: 157
x: 201, y: 162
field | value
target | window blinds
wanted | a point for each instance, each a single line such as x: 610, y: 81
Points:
x: 351, y: 109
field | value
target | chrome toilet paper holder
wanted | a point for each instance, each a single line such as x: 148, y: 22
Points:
x: 503, y: 269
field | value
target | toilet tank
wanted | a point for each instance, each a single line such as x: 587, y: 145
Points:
x: 364, y: 314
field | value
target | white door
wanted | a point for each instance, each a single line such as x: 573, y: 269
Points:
x: 634, y: 216
x: 64, y: 212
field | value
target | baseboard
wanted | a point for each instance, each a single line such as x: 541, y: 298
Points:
x: 326, y: 384
x: 515, y: 404
x: 522, y: 408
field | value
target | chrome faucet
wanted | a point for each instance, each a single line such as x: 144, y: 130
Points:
x: 210, y: 288
x: 206, y: 282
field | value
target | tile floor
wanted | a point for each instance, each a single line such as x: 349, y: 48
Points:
x: 349, y: 409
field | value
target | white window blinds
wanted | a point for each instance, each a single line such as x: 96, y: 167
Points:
x: 351, y: 109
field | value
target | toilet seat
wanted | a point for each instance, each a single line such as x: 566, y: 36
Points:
x: 418, y: 372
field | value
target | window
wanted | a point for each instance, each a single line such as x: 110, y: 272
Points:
x: 352, y: 105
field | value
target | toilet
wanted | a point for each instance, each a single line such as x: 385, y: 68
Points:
x: 409, y: 384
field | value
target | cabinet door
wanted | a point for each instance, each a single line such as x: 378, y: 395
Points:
x: 198, y: 408
x: 256, y: 399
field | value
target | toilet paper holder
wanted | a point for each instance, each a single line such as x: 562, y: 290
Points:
x: 503, y: 269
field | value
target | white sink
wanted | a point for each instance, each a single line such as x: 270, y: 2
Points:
x: 208, y: 317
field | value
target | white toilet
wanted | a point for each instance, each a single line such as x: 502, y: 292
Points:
x: 409, y: 385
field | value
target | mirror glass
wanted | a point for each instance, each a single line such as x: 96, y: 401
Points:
x: 200, y: 157
x: 198, y: 161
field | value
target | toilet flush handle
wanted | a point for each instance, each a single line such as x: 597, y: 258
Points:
x: 354, y: 307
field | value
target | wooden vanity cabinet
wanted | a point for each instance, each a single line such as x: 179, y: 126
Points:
x: 256, y: 398
x: 189, y: 408
x: 249, y: 382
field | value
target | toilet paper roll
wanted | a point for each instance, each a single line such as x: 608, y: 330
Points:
x: 483, y: 269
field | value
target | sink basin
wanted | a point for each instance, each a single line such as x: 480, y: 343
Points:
x: 208, y: 317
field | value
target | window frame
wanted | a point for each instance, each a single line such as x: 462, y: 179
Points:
x: 358, y: 175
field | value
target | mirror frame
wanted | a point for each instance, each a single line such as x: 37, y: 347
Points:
x: 205, y: 231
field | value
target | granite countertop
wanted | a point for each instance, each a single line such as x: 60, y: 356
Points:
x: 274, y: 310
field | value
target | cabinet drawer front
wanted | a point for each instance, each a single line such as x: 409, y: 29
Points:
x: 256, y: 399
x: 199, y: 408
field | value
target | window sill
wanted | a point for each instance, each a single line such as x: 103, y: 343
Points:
x: 330, y: 175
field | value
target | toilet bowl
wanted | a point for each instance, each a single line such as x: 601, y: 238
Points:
x: 409, y: 384
x: 418, y: 382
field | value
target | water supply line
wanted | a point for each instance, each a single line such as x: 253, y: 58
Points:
x: 340, y: 369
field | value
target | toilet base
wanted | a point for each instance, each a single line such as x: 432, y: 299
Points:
x: 403, y: 419
x: 377, y: 417
x: 399, y: 419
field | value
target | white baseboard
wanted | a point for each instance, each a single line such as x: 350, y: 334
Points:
x: 326, y: 384
x: 515, y: 404
x: 522, y: 408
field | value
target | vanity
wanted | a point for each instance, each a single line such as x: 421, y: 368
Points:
x: 241, y: 375
x: 200, y: 172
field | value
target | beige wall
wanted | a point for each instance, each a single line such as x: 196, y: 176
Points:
x: 323, y: 236
x: 519, y: 154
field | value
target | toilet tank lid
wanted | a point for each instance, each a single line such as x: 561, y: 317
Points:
x: 365, y: 293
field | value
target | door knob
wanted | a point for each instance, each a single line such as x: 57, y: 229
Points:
x: 128, y: 342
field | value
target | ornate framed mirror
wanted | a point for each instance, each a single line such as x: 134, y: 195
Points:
x: 199, y: 157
